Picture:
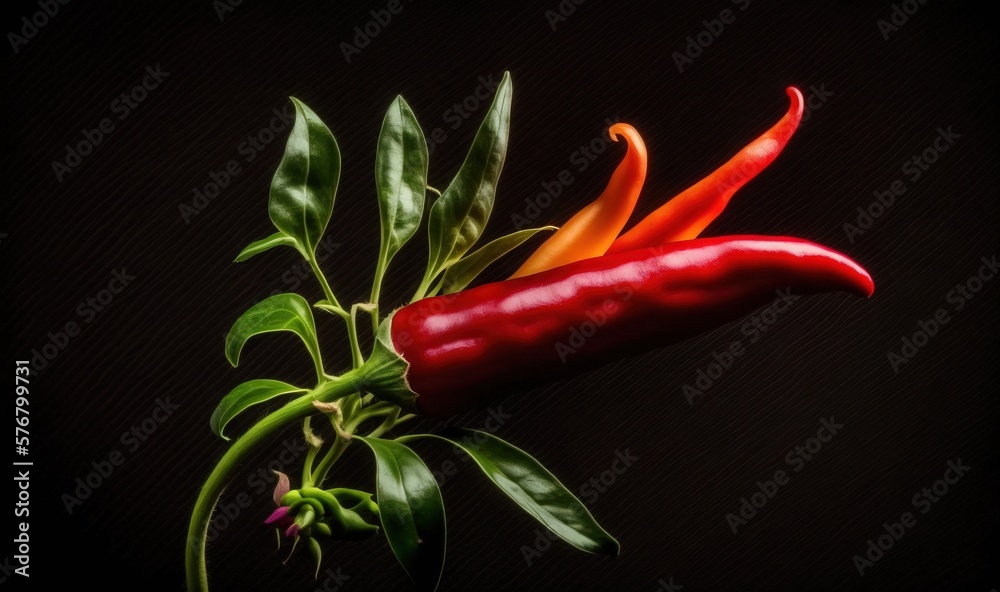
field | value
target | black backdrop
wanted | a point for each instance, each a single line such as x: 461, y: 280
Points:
x: 877, y: 103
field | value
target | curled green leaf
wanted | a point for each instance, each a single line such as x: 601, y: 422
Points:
x: 305, y: 185
x: 245, y: 396
x: 461, y: 274
x: 265, y: 244
x: 281, y: 312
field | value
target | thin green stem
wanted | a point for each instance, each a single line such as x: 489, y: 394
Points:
x: 387, y: 424
x: 308, y: 465
x: 434, y: 191
x: 352, y: 332
x: 317, y: 359
x: 314, y: 446
x: 377, y: 288
x: 299, y: 408
x: 332, y: 455
x: 369, y: 413
x: 425, y: 284
x: 437, y: 287
x: 327, y: 290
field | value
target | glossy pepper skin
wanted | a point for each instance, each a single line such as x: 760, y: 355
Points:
x: 686, y: 215
x: 464, y: 349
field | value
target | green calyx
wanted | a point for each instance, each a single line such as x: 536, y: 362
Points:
x: 384, y: 374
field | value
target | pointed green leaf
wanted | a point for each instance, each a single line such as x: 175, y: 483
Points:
x: 400, y: 178
x: 535, y: 489
x: 281, y: 312
x: 305, y: 184
x: 461, y: 274
x: 275, y: 240
x: 245, y: 396
x: 411, y: 510
x: 458, y: 217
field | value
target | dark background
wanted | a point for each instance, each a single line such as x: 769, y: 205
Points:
x: 827, y: 356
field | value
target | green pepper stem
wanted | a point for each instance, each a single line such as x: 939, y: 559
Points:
x: 425, y: 285
x: 299, y: 408
x: 332, y: 455
x: 380, y: 268
x: 352, y: 331
x: 327, y: 290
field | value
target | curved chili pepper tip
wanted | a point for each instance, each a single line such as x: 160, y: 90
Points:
x: 686, y: 215
x: 630, y: 133
x: 594, y: 228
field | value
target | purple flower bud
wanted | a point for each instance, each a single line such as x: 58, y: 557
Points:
x: 293, y: 531
x: 278, y: 516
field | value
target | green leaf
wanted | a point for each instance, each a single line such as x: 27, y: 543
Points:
x: 529, y: 484
x: 411, y: 510
x: 245, y: 396
x: 265, y: 244
x: 400, y: 178
x: 461, y: 274
x: 459, y: 216
x: 305, y: 184
x: 281, y: 312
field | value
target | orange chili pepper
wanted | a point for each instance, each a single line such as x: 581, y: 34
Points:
x: 591, y: 231
x: 684, y: 217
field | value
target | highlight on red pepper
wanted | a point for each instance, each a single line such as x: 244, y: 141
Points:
x: 582, y: 300
x: 501, y: 337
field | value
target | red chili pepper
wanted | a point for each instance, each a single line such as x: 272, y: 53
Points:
x: 687, y: 214
x: 463, y: 349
